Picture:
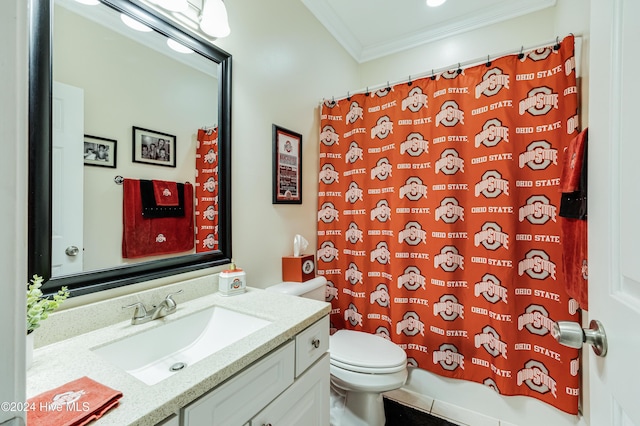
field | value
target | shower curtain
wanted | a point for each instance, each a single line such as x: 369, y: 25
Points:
x: 438, y: 220
x: 207, y: 190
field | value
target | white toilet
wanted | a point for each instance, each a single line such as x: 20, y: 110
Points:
x: 363, y: 365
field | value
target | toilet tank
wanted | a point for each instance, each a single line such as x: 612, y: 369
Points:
x: 311, y: 289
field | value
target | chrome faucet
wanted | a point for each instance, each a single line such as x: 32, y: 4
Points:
x: 141, y: 315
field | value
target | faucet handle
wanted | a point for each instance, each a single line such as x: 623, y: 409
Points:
x: 169, y: 299
x: 140, y: 311
x: 170, y: 295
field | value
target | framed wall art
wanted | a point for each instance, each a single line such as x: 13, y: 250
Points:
x: 152, y: 147
x: 99, y: 151
x: 287, y: 166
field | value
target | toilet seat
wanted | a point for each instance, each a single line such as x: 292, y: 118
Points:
x: 365, y: 353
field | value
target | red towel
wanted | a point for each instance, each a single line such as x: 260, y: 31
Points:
x: 166, y: 193
x: 572, y: 164
x: 575, y: 260
x: 143, y: 236
x: 73, y: 404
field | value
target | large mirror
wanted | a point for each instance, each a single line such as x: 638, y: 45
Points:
x: 107, y: 103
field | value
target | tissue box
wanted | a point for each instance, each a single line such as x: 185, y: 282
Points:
x: 298, y: 268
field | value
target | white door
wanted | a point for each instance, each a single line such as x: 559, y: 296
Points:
x: 68, y: 177
x: 614, y: 210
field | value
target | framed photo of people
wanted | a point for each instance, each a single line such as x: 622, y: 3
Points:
x: 99, y: 151
x: 287, y: 166
x: 153, y: 147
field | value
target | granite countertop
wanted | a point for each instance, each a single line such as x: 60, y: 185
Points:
x: 141, y: 404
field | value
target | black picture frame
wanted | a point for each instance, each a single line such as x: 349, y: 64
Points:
x: 287, y: 166
x: 153, y: 147
x: 101, y: 152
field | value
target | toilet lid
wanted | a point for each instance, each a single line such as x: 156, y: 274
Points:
x: 364, y: 352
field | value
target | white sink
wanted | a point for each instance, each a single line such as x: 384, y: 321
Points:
x: 151, y: 354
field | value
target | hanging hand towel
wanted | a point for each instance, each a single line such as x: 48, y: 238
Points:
x: 143, y: 236
x: 151, y: 208
x: 73, y: 404
x: 165, y: 193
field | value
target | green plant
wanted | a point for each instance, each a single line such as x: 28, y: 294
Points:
x: 39, y: 307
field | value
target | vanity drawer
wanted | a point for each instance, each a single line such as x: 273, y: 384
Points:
x: 241, y: 397
x: 311, y: 344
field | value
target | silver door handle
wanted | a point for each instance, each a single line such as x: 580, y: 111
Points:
x: 72, y: 251
x: 571, y: 334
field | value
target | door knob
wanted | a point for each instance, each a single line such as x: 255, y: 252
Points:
x: 571, y: 334
x: 72, y: 251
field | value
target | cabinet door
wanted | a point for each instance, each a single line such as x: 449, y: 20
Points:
x: 306, y: 402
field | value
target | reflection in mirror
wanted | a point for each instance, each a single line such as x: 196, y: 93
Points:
x: 118, y: 94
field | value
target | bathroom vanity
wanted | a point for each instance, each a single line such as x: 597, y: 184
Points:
x: 278, y: 374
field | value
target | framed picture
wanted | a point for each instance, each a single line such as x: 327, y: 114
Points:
x: 151, y: 147
x: 287, y: 166
x: 99, y: 151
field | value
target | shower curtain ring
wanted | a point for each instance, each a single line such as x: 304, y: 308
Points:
x: 557, y: 46
x: 488, y: 61
x: 409, y: 83
x: 459, y: 71
x: 521, y: 55
x: 433, y: 75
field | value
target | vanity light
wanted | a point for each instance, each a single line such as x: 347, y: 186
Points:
x: 214, y: 20
x: 177, y: 46
x: 132, y: 23
x: 435, y: 3
x: 89, y: 2
x: 173, y: 5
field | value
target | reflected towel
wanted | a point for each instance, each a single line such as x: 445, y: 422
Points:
x: 150, y: 206
x: 143, y: 236
x: 72, y: 404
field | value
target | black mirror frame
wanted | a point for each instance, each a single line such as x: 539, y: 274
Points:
x: 40, y: 164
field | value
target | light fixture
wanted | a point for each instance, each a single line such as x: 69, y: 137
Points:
x: 133, y: 24
x: 178, y: 47
x: 435, y: 3
x: 89, y: 2
x: 173, y: 5
x: 214, y: 20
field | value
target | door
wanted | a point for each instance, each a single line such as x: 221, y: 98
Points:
x: 614, y: 207
x: 67, y: 179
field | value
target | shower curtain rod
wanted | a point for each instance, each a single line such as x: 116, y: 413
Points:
x: 460, y: 65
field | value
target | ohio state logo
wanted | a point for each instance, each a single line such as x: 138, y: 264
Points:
x: 539, y: 54
x: 330, y: 292
x: 354, y: 153
x: 382, y: 170
x: 539, y: 101
x: 493, y: 132
x: 448, y: 357
x: 538, y: 210
x: 415, y: 100
x: 381, y: 93
x: 492, y: 82
x: 573, y: 124
x: 353, y: 275
x: 354, y: 234
x: 491, y: 237
x: 413, y: 189
x: 412, y: 279
x: 383, y: 332
x: 449, y: 259
x: 450, y: 114
x: 355, y: 113
x: 209, y: 242
x: 537, y: 265
x: 449, y: 162
x: 210, y: 185
x: 448, y: 308
x: 415, y: 145
x: 383, y: 128
x: 328, y: 136
x: 538, y: 156
x: 451, y: 74
x: 574, y: 366
x: 327, y: 252
x: 492, y: 185
x: 536, y: 376
x: 353, y: 316
x: 489, y: 339
x: 491, y: 289
x: 210, y: 157
x: 381, y: 212
x: 328, y: 213
x: 381, y: 253
x: 354, y: 193
x: 536, y: 320
x: 490, y: 383
x: 328, y: 174
x: 380, y: 295
x: 412, y: 234
x: 569, y: 65
x: 450, y: 210
x: 410, y: 325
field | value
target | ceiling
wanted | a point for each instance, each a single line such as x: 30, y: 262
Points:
x: 370, y: 29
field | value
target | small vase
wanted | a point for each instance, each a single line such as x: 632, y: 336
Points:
x: 29, y: 354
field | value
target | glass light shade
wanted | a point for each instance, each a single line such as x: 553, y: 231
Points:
x: 173, y: 5
x: 214, y: 20
x: 89, y: 2
x: 133, y: 24
x: 435, y: 3
x: 177, y: 46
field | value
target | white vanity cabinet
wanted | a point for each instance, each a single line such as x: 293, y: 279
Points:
x: 286, y: 387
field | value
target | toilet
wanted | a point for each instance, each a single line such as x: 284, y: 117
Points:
x: 363, y: 365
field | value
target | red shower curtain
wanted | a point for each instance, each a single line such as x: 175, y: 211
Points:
x: 438, y: 220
